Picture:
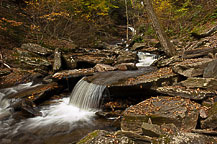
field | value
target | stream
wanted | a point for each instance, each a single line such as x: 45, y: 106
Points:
x: 66, y: 120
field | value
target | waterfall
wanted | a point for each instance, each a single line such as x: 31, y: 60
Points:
x: 86, y: 95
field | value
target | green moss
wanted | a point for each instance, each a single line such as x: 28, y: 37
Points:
x: 89, y: 137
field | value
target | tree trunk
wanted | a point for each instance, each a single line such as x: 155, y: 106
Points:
x: 168, y: 47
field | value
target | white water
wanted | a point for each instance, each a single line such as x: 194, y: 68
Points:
x: 4, y: 103
x: 86, y: 95
x: 145, y: 59
x: 60, y: 114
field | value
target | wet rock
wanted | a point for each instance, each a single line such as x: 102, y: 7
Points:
x: 69, y: 61
x: 103, y: 68
x: 104, y: 137
x: 4, y: 72
x: 29, y: 107
x: 73, y: 73
x: 151, y: 130
x: 126, y: 66
x: 191, y: 67
x: 57, y: 60
x: 211, y: 121
x: 36, y: 49
x: 181, y: 112
x: 127, y: 57
x: 37, y: 92
x: 25, y: 53
x: 211, y: 70
x: 193, y: 94
x: 204, y: 83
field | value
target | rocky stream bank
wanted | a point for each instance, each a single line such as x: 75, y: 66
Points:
x: 173, y: 101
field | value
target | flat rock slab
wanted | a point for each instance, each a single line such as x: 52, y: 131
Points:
x: 160, y: 75
x: 73, y: 73
x: 204, y: 83
x: 193, y: 94
x: 36, y: 49
x: 181, y: 112
x: 191, y: 67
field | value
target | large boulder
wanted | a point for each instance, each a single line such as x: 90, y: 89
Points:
x: 191, y: 67
x: 211, y: 70
x: 36, y: 49
x: 181, y: 112
x: 193, y: 94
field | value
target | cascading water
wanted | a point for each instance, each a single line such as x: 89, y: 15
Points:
x: 86, y: 95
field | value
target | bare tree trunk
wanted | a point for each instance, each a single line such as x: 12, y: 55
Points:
x: 127, y: 34
x: 168, y: 47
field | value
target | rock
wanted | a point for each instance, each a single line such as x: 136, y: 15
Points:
x: 151, y: 130
x: 211, y: 121
x: 73, y: 73
x: 191, y: 67
x: 4, y: 72
x: 211, y: 70
x: 127, y: 57
x: 185, y: 138
x: 126, y: 66
x: 69, y: 61
x: 162, y: 62
x: 104, y: 137
x: 35, y: 61
x: 138, y: 46
x: 29, y: 107
x: 95, y: 58
x: 35, y: 93
x: 193, y: 94
x: 57, y: 60
x: 199, y: 52
x: 103, y: 68
x: 204, y: 83
x: 154, y: 78
x: 206, y: 132
x: 181, y: 112
x: 36, y: 49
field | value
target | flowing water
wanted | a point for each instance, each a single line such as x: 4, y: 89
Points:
x: 70, y: 118
x: 86, y: 95
x: 60, y: 122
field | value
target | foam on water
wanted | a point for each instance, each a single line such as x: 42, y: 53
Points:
x: 59, y: 114
x: 145, y: 59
